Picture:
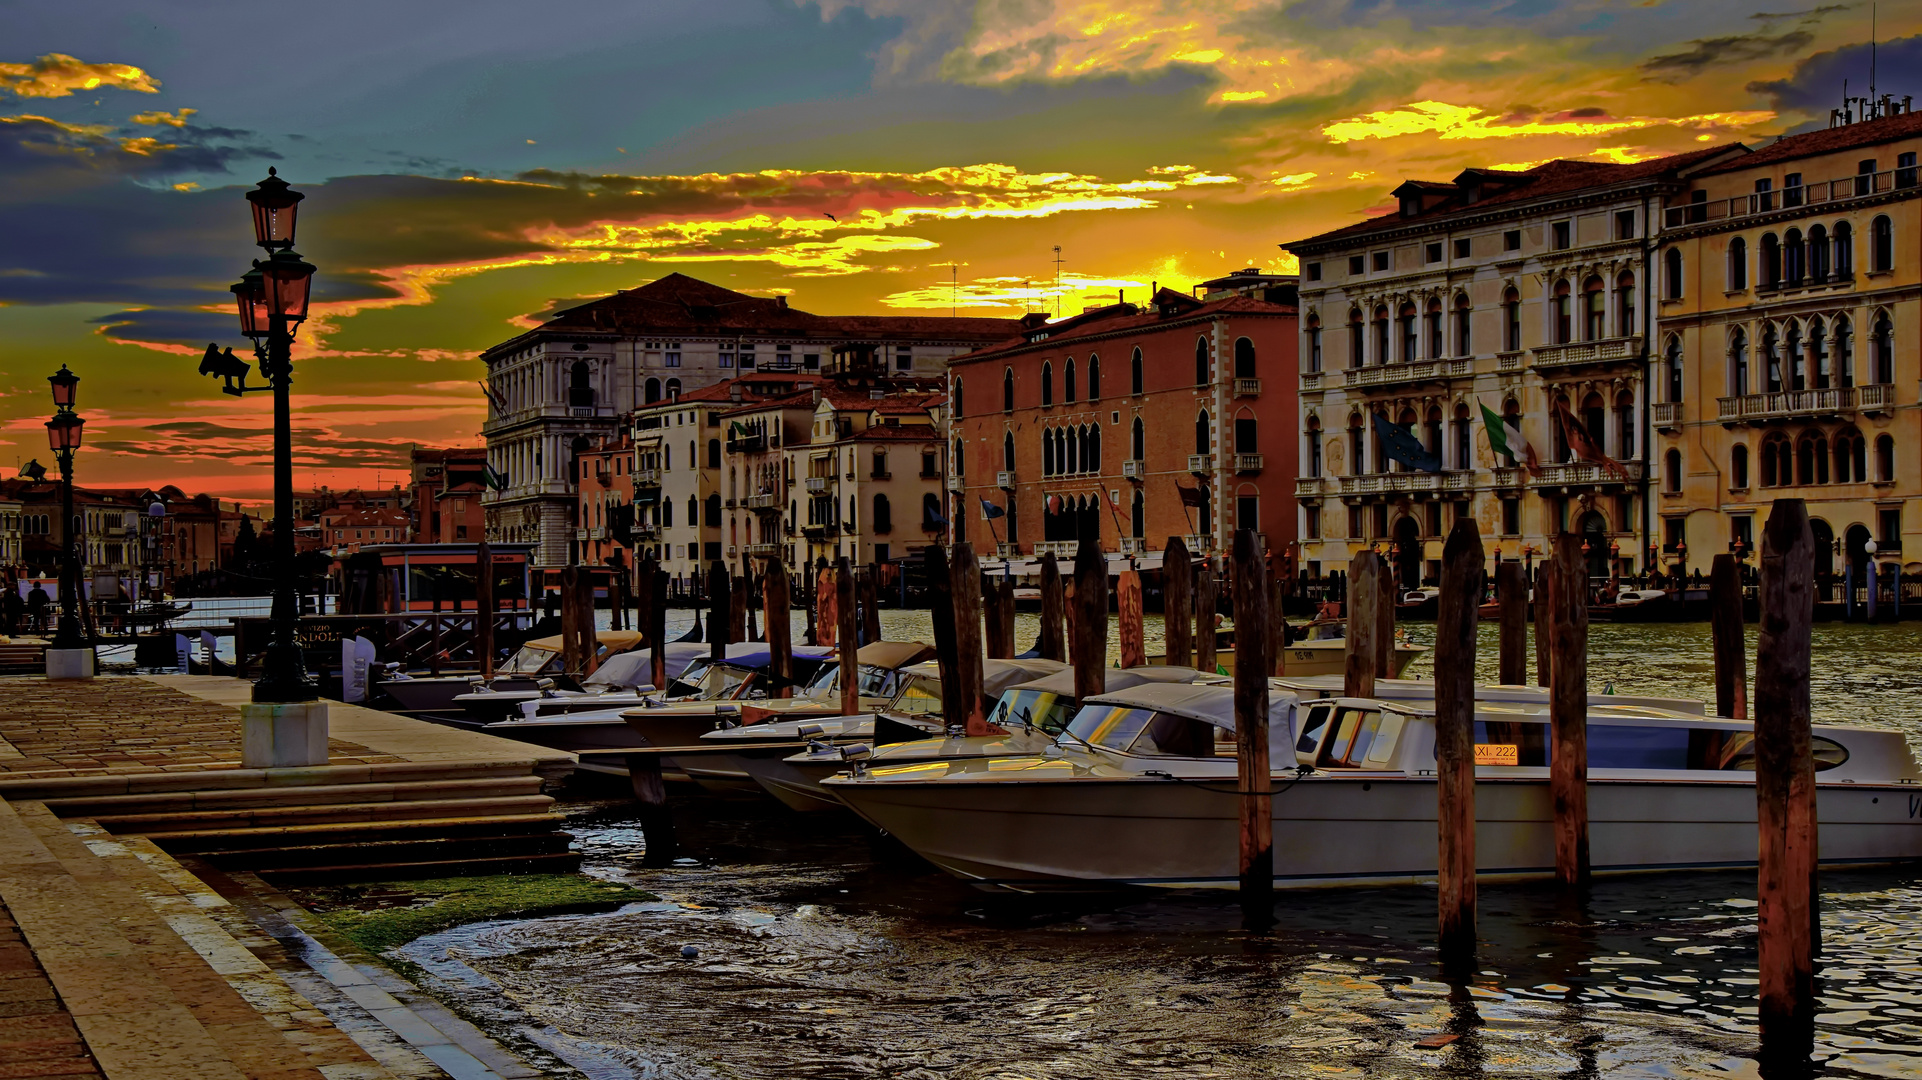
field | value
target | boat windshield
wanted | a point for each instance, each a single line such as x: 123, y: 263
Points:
x: 1032, y: 708
x: 875, y: 682
x: 708, y: 680
x: 920, y: 697
x: 527, y: 660
x: 1110, y: 726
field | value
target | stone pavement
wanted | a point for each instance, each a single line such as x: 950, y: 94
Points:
x: 37, y: 1036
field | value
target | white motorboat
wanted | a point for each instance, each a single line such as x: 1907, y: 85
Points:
x: 1322, y: 650
x: 621, y: 680
x: 1030, y: 715
x: 534, y: 660
x: 1131, y: 794
x: 1311, y: 687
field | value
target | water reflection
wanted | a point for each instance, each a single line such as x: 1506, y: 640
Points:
x: 824, y: 951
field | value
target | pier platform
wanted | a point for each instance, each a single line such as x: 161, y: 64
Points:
x: 125, y: 822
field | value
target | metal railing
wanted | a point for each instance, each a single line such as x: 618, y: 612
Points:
x: 1787, y: 403
x: 1821, y: 192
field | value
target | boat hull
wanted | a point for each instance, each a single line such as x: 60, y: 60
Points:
x: 1084, y: 833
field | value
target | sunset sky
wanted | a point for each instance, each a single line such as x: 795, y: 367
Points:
x: 469, y: 166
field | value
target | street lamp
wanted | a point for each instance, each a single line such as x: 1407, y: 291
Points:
x: 271, y: 301
x: 63, y: 438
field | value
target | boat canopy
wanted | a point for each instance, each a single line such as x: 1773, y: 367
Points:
x: 998, y: 675
x: 1210, y: 704
x: 1061, y: 683
x: 636, y: 666
x: 613, y: 641
x: 892, y: 654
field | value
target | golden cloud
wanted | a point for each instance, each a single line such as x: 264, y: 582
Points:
x: 59, y: 75
x: 159, y: 118
x: 1471, y: 122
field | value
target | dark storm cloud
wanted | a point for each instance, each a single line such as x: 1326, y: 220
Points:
x: 1704, y: 53
x: 1816, y: 83
x: 168, y: 325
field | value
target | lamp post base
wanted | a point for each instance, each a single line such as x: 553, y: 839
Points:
x: 283, y: 736
x: 70, y: 664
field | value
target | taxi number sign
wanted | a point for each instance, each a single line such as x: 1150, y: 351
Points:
x: 1497, y: 754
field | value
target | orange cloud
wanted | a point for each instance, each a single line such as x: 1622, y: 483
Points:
x: 59, y: 75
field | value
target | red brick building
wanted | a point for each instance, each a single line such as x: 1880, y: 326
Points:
x: 1121, y: 406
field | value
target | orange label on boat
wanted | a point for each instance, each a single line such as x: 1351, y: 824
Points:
x: 1497, y: 754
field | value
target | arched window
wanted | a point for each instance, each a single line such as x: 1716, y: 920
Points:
x: 1884, y: 458
x: 1313, y: 436
x: 959, y: 460
x: 1047, y: 452
x: 1844, y: 352
x: 1355, y: 339
x: 1594, y: 310
x: 1672, y: 367
x: 1562, y: 313
x: 1769, y: 273
x: 1771, y: 361
x: 1464, y: 341
x: 1435, y: 340
x: 1007, y: 390
x: 714, y: 453
x: 1805, y: 461
x: 673, y: 389
x: 1138, y: 442
x: 1595, y: 419
x: 1382, y: 353
x: 1091, y: 449
x: 1204, y: 433
x: 1775, y: 471
x: 1793, y: 257
x: 1094, y: 377
x: 883, y: 519
x: 1464, y: 439
x: 1737, y: 468
x: 1139, y: 518
x: 1672, y: 469
x: 1511, y: 319
x: 1134, y: 373
x: 1201, y: 361
x: 693, y: 512
x: 667, y: 513
x: 1625, y: 424
x: 1007, y: 451
x: 1432, y: 432
x: 580, y: 392
x: 1071, y: 457
x: 1245, y: 359
x: 1796, y: 362
x: 1851, y: 460
x: 1625, y: 303
x: 1562, y: 451
x: 1067, y: 380
x: 1819, y: 449
x: 1408, y: 343
x: 714, y: 511
x: 1737, y: 264
x: 1247, y: 434
x: 1355, y: 444
x: 1882, y: 349
x: 1314, y: 343
x: 1672, y: 273
x: 1844, y: 250
x: 1881, y: 244
x: 1818, y: 254
x: 1047, y: 382
x: 958, y: 414
x: 650, y: 391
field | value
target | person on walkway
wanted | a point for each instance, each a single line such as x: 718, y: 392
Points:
x: 37, y: 604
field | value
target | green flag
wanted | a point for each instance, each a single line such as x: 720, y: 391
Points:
x: 1506, y: 438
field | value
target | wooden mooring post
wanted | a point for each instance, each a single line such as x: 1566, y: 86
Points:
x: 1568, y: 708
x: 737, y: 609
x: 1787, y: 918
x: 870, y: 585
x: 1088, y: 652
x: 720, y: 611
x: 947, y: 657
x: 997, y: 602
x: 1542, y: 609
x: 1205, y: 659
x: 1133, y: 638
x: 1049, y: 642
x: 1256, y: 866
x: 571, y: 659
x: 654, y: 580
x: 1511, y: 597
x: 1455, y: 629
x: 1360, y: 654
x: 1177, y: 602
x: 1725, y: 632
x: 775, y: 614
x: 751, y: 587
x: 1386, y: 589
x: 584, y: 622
x: 484, y: 609
x: 1277, y: 626
x: 847, y: 636
x: 964, y: 598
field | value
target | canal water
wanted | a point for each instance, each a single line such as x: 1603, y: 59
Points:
x: 821, y: 950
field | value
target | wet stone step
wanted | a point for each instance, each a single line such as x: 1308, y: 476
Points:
x: 216, y: 840
x: 560, y: 863
x: 158, y: 825
x: 388, y: 852
x: 189, y: 801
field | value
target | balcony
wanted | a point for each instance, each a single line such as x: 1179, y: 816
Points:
x: 1843, y: 189
x: 1198, y: 542
x: 1247, y: 464
x: 761, y: 551
x: 1060, y: 549
x: 763, y: 502
x: 1308, y: 487
x: 1004, y: 480
x: 957, y: 483
x: 1788, y: 404
x: 816, y: 531
x: 1509, y: 476
x: 880, y: 474
x: 1247, y: 387
x: 1586, y: 474
x: 647, y: 478
x: 1007, y: 551
x: 647, y: 532
x: 1391, y: 483
x: 1201, y: 464
x: 817, y: 485
x: 1134, y: 545
x: 1399, y: 375
x: 1587, y: 353
x: 1666, y: 415
x: 747, y: 444
x: 1310, y: 380
x: 1508, y: 361
x: 733, y: 551
x: 1134, y: 469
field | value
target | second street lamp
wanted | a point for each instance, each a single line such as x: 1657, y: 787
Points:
x: 63, y: 438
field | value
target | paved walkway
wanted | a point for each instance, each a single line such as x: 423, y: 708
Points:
x: 37, y: 1036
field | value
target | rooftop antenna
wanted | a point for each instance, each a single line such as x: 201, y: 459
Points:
x: 1872, y: 96
x: 1057, y: 281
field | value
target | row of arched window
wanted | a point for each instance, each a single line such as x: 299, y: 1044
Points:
x: 1793, y: 355
x: 1821, y: 255
x: 1810, y: 459
x: 1433, y: 334
x: 1244, y: 358
x: 1069, y: 450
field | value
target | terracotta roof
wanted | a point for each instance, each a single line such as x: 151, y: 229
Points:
x: 1121, y: 318
x: 678, y: 304
x: 896, y: 433
x: 1829, y: 141
x: 1549, y: 178
x: 723, y: 391
x: 859, y: 401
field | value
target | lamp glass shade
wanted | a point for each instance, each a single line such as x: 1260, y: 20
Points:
x: 65, y: 387
x: 250, y: 300
x: 63, y: 432
x: 275, y: 206
x: 288, y: 278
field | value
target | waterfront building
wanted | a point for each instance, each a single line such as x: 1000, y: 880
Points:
x: 1091, y: 428
x: 1522, y: 291
x: 555, y: 389
x: 606, y: 487
x: 1791, y: 297
x: 12, y: 533
x: 435, y: 473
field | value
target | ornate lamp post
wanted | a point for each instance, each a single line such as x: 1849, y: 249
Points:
x: 272, y: 303
x: 63, y: 438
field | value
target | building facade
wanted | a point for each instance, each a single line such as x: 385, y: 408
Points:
x: 1086, y: 429
x: 866, y: 473
x: 554, y: 390
x: 1528, y: 292
x: 1789, y: 318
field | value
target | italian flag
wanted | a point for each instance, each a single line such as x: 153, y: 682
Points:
x: 1506, y: 438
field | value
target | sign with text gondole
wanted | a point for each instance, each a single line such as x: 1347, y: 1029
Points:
x: 1497, y: 754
